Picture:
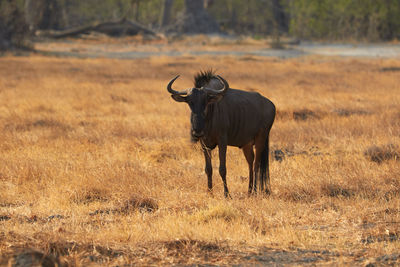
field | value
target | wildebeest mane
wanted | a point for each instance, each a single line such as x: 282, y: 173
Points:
x: 203, y: 77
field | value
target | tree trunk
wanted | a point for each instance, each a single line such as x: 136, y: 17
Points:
x: 280, y: 19
x: 166, y: 16
x: 43, y: 14
x: 137, y: 2
x: 234, y: 20
x: 65, y: 11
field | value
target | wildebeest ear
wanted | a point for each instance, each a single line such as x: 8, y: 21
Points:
x: 213, y: 98
x: 179, y: 98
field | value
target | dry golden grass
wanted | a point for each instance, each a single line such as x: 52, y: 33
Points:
x: 97, y: 167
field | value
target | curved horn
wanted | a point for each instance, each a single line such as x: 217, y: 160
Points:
x: 221, y: 91
x: 172, y: 91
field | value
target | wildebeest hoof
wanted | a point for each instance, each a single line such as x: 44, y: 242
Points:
x: 227, y: 196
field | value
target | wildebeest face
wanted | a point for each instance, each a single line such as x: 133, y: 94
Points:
x: 197, y: 99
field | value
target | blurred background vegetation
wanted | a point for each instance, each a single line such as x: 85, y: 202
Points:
x: 355, y: 20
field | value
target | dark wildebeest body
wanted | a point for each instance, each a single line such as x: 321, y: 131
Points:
x: 222, y: 116
x: 240, y: 115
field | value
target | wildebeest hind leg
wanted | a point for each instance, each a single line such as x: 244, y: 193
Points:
x: 249, y: 155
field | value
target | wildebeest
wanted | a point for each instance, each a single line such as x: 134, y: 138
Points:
x: 222, y: 116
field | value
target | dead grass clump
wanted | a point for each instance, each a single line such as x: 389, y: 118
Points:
x: 220, y: 211
x: 89, y: 196
x: 183, y: 251
x: 4, y: 218
x: 117, y: 98
x: 388, y: 212
x: 186, y: 252
x: 380, y: 154
x: 278, y: 155
x: 388, y: 236
x: 388, y: 260
x: 29, y: 125
x: 298, y: 115
x: 356, y: 188
x: 166, y: 151
x: 46, y: 123
x: 22, y: 219
x: 139, y: 203
x: 135, y: 203
x: 350, y: 112
x: 393, y: 193
x: 8, y: 204
x: 65, y: 248
x: 43, y: 109
x: 258, y: 224
x: 299, y: 194
x: 305, y: 114
x: 284, y: 153
x: 335, y: 190
x: 392, y: 187
x: 189, y: 244
x: 64, y: 253
x: 34, y: 258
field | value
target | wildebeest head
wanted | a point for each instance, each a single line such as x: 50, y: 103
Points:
x: 198, y: 99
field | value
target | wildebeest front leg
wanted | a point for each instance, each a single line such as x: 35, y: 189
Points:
x: 222, y: 166
x: 208, y: 168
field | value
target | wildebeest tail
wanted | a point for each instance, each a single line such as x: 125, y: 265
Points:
x: 264, y: 168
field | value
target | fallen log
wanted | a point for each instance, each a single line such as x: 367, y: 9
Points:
x: 111, y: 28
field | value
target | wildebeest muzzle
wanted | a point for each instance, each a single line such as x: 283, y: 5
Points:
x: 197, y: 129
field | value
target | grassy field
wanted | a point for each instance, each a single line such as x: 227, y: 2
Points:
x: 97, y: 167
